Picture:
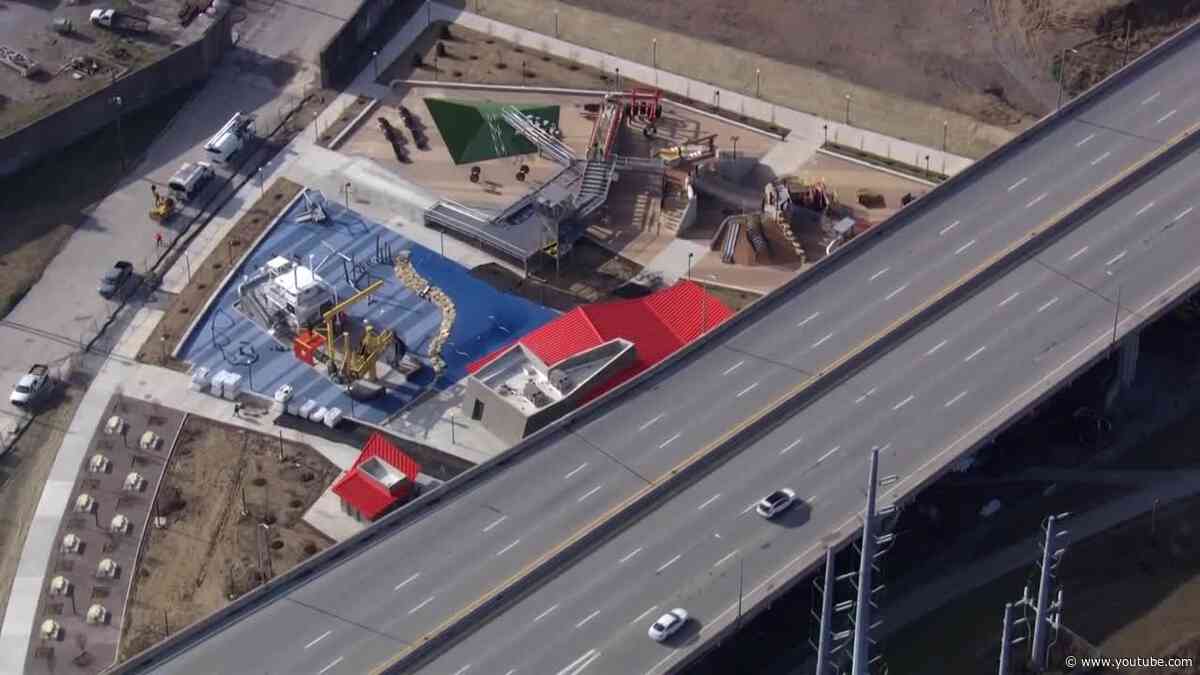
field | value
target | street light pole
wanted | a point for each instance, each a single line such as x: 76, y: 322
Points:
x: 654, y: 58
x: 847, y: 109
x: 1062, y: 73
x: 757, y: 83
x: 556, y: 23
x: 689, y: 267
x: 120, y: 103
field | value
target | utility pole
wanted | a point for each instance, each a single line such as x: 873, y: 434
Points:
x: 1044, y: 609
x: 862, y: 605
x: 825, y: 638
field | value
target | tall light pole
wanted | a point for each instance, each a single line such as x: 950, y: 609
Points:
x: 556, y: 23
x: 757, y: 83
x: 847, y: 109
x: 375, y: 62
x: 945, y: 137
x: 1062, y: 73
x: 120, y: 103
x: 735, y: 140
x: 689, y: 267
x: 654, y: 58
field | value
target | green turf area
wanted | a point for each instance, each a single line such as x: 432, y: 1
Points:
x: 470, y: 138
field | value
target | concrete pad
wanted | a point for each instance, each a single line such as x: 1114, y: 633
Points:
x: 439, y: 422
x: 327, y: 516
x: 140, y: 327
x: 673, y: 261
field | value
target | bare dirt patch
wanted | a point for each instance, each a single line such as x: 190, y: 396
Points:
x: 221, y: 485
x: 208, y: 274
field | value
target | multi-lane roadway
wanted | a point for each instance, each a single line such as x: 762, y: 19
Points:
x: 953, y: 375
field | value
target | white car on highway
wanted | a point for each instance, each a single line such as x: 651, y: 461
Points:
x: 776, y: 503
x: 668, y: 624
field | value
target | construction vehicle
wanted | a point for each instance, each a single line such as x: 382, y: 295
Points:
x: 114, y: 20
x: 164, y: 206
x: 353, y: 363
x: 230, y: 138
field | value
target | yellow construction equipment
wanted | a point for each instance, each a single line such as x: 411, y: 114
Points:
x: 357, y: 363
x: 164, y: 206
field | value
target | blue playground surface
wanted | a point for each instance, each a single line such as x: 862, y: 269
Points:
x: 486, y: 319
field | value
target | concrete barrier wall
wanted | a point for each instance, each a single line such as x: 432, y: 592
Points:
x: 137, y: 89
x: 349, y: 50
x: 430, y: 502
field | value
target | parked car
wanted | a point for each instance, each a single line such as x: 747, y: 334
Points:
x: 776, y: 503
x: 668, y: 624
x: 115, y: 278
x: 31, y: 385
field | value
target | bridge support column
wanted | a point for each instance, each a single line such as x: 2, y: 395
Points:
x: 1126, y: 369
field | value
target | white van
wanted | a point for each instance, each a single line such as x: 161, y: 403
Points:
x: 189, y: 180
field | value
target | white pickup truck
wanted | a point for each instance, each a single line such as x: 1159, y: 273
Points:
x: 31, y: 386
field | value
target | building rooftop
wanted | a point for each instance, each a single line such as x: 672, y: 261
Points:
x: 368, y: 485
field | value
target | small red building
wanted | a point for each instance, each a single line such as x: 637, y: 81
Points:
x: 382, y: 478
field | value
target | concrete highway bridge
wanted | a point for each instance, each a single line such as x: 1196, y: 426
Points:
x: 923, y: 338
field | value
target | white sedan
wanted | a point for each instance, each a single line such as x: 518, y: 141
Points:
x: 668, y: 624
x: 775, y: 503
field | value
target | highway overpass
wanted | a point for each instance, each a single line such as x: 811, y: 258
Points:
x: 924, y: 399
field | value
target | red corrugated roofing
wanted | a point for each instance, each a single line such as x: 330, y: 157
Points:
x: 658, y: 324
x: 364, y: 493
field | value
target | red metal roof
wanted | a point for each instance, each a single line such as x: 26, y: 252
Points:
x: 658, y: 325
x: 364, y: 493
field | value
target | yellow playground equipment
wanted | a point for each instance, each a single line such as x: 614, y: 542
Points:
x: 164, y: 206
x: 356, y: 363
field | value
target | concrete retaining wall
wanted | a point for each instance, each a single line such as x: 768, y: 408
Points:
x: 137, y: 89
x: 349, y: 50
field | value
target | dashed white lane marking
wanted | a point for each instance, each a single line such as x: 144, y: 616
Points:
x: 820, y: 342
x: 825, y: 456
x: 896, y: 292
x: 506, y: 549
x: 495, y: 522
x: 578, y: 665
x: 322, y: 636
x: 1048, y: 304
x: 1151, y: 98
x: 1164, y: 118
x: 647, y: 424
x: 511, y: 671
x: 709, y: 501
x: 576, y: 470
x: 1009, y: 299
x: 975, y: 353
x: 406, y: 582
x: 1017, y: 184
x: 416, y: 609
x: 1076, y: 254
x: 331, y: 665
x: 1144, y: 209
x: 879, y: 274
x: 949, y: 227
x: 1081, y: 143
x: 1036, y: 199
x: 747, y: 509
x: 668, y: 441
x: 732, y: 368
x: 462, y: 670
x: 791, y: 445
x: 629, y: 556
x: 589, y: 493
x: 1116, y: 258
x: 1183, y: 213
x: 810, y: 318
x: 936, y: 347
x: 862, y: 398
x: 956, y: 399
x: 727, y: 557
x: 644, y: 614
x: 668, y: 563
x: 903, y: 403
x: 1101, y: 158
x: 586, y: 619
x: 544, y: 614
x: 883, y: 449
x: 964, y: 247
x: 747, y: 390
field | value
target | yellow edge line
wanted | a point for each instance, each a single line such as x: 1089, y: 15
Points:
x: 779, y: 402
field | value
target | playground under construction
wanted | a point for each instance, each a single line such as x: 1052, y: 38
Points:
x: 335, y: 309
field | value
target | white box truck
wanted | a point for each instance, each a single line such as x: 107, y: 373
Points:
x: 231, y: 138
